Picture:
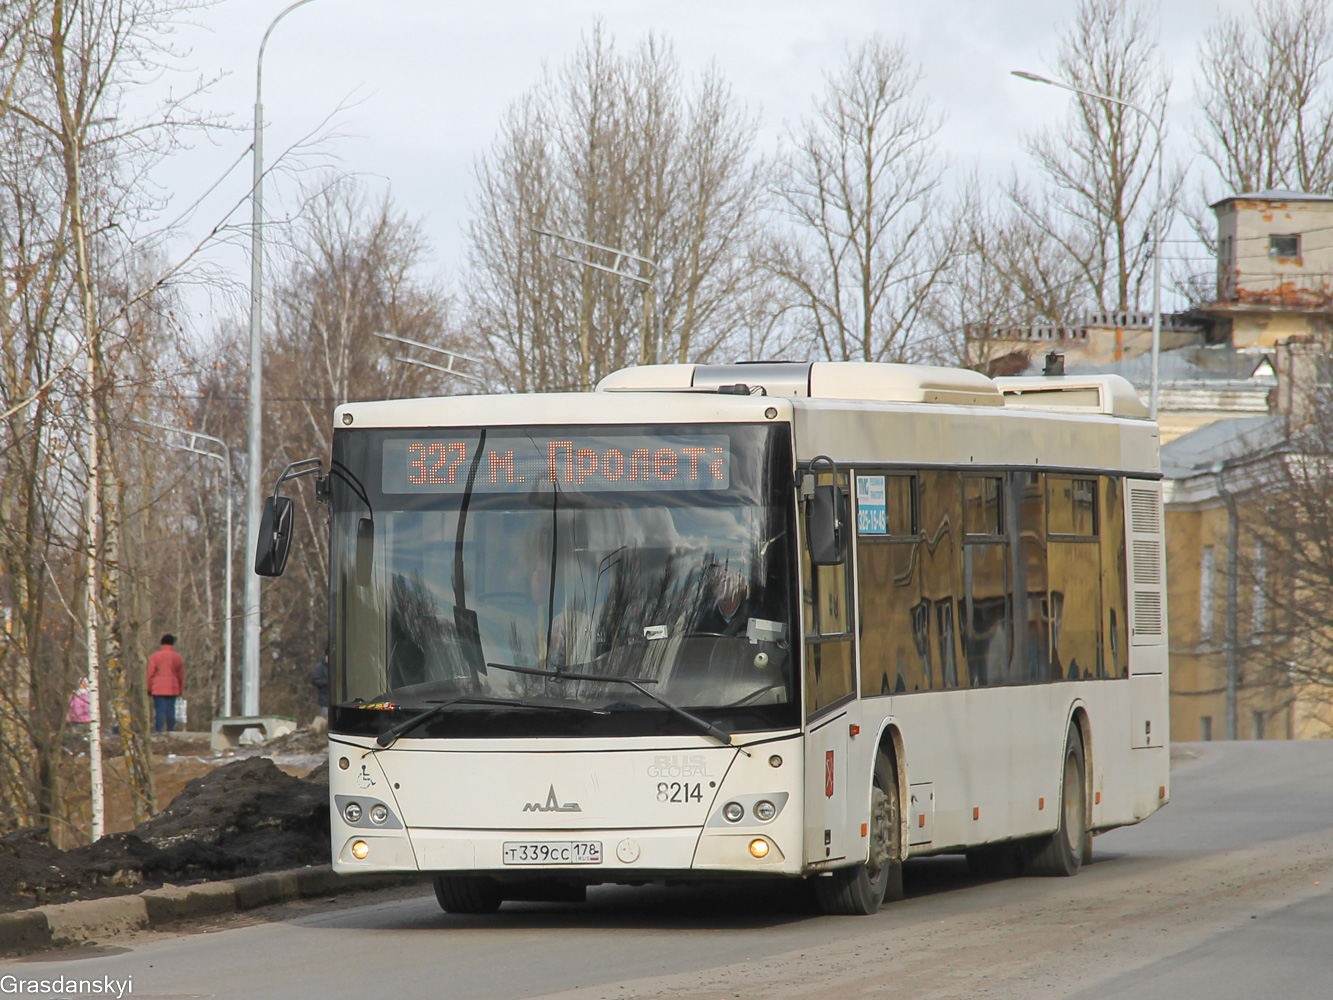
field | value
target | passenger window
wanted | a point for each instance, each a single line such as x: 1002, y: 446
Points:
x: 941, y: 529
x: 1030, y: 663
x: 982, y: 505
x: 1115, y: 625
x: 893, y: 657
x: 1074, y: 566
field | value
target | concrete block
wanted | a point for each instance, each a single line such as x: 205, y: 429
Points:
x: 95, y: 919
x: 188, y: 902
x: 228, y: 731
x: 263, y: 890
x: 318, y: 880
x: 23, y: 931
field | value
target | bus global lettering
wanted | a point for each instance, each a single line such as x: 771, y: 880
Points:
x: 591, y: 463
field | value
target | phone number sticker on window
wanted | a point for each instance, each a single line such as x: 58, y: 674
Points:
x: 588, y: 463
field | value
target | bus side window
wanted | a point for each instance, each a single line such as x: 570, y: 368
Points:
x: 985, y: 619
x: 889, y: 578
x: 827, y: 616
x: 941, y: 569
x: 1074, y: 558
x: 1026, y: 524
x: 1115, y: 625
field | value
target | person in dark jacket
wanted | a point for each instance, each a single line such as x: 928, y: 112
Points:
x: 166, y: 683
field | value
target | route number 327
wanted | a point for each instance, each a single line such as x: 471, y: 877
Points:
x: 679, y: 791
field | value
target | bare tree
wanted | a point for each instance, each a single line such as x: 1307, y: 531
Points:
x: 1007, y: 273
x: 1266, y: 97
x: 1097, y: 200
x: 867, y: 239
x: 614, y: 150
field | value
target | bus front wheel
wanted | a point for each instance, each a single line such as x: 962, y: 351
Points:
x: 860, y: 889
x: 1062, y: 854
x: 468, y: 893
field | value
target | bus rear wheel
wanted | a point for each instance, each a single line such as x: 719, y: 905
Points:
x: 860, y: 889
x: 468, y: 893
x: 1062, y: 853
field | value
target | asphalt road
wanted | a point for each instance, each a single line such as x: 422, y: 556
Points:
x: 1225, y: 893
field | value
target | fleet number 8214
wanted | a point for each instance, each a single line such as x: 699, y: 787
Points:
x: 683, y: 792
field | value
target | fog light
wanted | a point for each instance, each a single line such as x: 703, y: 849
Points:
x: 759, y: 848
x: 343, y: 764
x: 734, y: 812
x: 378, y: 814
x: 775, y: 761
x: 352, y: 811
x: 360, y: 849
x: 763, y: 810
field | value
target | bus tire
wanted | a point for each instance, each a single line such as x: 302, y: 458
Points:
x: 858, y: 890
x: 468, y: 893
x: 1062, y: 853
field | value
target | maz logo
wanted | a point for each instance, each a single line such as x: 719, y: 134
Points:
x: 552, y: 805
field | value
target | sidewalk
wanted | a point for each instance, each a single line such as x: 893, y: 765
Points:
x: 63, y: 924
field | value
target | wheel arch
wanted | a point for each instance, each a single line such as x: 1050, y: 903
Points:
x: 891, y: 739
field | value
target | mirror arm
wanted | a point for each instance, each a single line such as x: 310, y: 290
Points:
x: 295, y: 470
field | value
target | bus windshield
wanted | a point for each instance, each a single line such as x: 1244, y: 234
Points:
x: 512, y: 572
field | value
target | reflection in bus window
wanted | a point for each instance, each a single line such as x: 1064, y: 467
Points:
x: 893, y: 656
x: 1115, y: 626
x: 1031, y: 663
x: 941, y: 517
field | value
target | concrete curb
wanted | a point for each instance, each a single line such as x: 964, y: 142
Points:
x: 62, y: 924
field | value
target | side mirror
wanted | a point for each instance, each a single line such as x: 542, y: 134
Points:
x: 275, y: 536
x: 826, y: 526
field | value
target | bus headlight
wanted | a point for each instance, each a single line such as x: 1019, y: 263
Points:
x: 759, y: 848
x: 378, y: 814
x: 733, y: 812
x: 763, y: 810
x: 352, y: 812
x: 360, y: 849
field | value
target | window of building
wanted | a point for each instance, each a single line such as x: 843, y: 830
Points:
x: 1205, y: 727
x: 1256, y: 725
x: 1206, y: 594
x: 1284, y: 246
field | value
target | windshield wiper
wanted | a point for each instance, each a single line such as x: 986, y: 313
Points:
x: 703, y: 725
x: 386, y: 738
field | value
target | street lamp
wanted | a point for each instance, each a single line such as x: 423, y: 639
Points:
x: 451, y: 355
x: 651, y: 285
x: 254, y: 490
x: 223, y: 457
x: 1157, y: 218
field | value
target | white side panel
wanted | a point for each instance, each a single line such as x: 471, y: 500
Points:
x: 921, y: 814
x: 826, y: 790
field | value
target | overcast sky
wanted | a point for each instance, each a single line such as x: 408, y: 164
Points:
x: 428, y: 81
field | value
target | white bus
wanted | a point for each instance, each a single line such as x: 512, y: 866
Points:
x: 753, y: 620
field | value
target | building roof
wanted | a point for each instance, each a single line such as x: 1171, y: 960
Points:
x: 1272, y: 194
x: 1184, y: 365
x: 1200, y: 450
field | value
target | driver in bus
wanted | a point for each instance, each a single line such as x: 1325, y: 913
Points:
x: 727, y: 608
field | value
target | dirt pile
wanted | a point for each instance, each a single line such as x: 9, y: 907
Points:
x: 240, y: 819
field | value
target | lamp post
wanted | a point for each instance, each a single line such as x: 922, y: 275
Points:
x: 223, y: 457
x: 652, y: 286
x: 1157, y: 217
x: 254, y: 490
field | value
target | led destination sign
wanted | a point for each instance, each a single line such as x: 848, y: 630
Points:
x: 589, y: 463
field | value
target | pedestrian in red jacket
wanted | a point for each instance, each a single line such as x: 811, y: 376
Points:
x: 166, y: 682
